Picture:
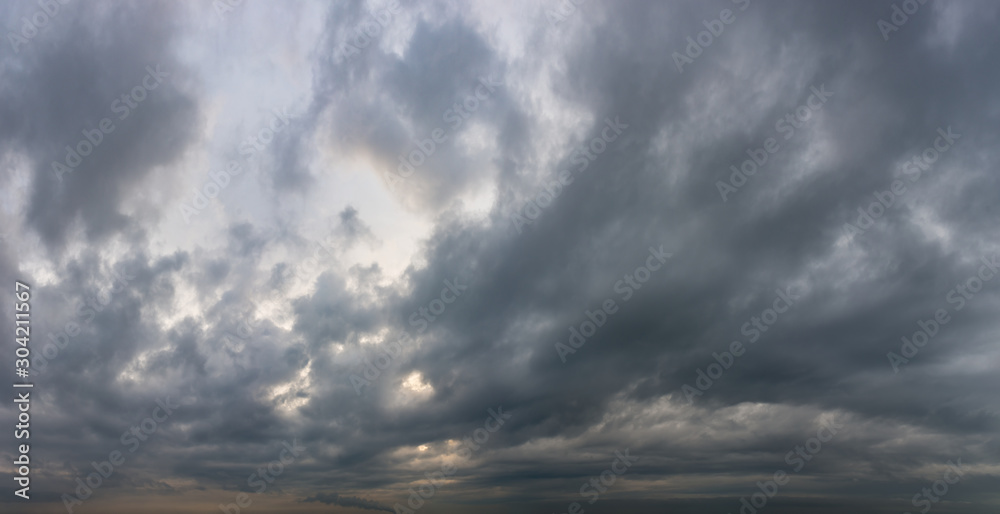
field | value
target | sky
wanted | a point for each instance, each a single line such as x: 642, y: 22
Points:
x: 500, y: 257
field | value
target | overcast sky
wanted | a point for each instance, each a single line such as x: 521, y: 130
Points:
x: 503, y: 257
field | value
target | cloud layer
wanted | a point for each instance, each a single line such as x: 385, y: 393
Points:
x: 470, y: 255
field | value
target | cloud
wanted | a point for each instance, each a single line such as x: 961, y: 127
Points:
x: 83, y: 70
x: 346, y: 501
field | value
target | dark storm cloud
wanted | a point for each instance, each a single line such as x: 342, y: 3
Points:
x: 78, y: 71
x: 346, y: 501
x: 781, y: 229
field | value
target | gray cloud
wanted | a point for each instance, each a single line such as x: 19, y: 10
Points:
x: 346, y: 501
